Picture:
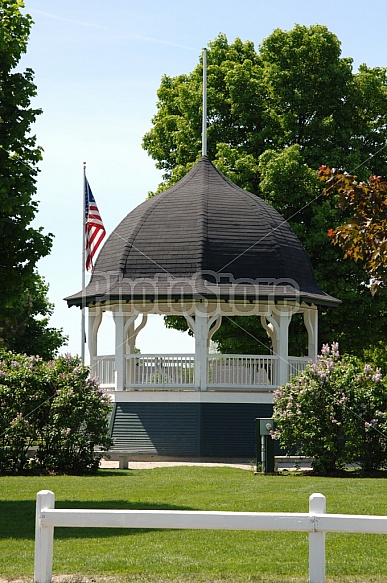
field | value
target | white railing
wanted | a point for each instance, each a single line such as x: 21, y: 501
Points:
x: 248, y: 371
x: 104, y: 368
x: 316, y: 522
x: 163, y: 370
x: 226, y: 371
x: 297, y: 365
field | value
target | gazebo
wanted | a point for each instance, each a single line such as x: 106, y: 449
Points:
x: 205, y: 250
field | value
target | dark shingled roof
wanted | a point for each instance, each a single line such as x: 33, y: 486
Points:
x: 203, y: 237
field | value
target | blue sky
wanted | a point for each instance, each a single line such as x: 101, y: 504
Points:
x: 98, y: 66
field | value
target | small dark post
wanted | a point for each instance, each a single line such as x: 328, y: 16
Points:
x: 264, y: 445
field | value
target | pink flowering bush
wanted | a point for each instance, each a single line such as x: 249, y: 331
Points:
x: 366, y: 427
x: 336, y: 412
x: 52, y: 409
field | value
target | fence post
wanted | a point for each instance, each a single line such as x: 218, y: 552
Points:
x: 44, y: 539
x: 317, y: 505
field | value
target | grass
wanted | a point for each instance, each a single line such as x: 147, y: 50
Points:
x: 157, y: 556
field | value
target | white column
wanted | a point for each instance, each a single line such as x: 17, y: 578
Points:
x: 94, y: 322
x: 119, y: 322
x: 311, y: 325
x: 130, y: 335
x: 201, y: 325
x: 201, y: 335
x: 124, y: 323
x: 281, y: 319
x: 284, y: 318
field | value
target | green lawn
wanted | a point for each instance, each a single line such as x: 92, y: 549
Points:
x: 186, y: 556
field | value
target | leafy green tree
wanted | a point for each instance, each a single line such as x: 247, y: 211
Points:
x: 293, y: 188
x: 27, y: 329
x: 22, y: 244
x: 274, y: 116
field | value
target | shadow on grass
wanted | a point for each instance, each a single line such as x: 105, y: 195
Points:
x: 18, y: 518
x: 350, y: 473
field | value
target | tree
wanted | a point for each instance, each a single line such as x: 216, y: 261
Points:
x: 363, y: 237
x: 22, y: 244
x: 27, y: 329
x: 274, y: 116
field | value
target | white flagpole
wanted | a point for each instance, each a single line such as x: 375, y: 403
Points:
x: 204, y: 120
x: 83, y: 326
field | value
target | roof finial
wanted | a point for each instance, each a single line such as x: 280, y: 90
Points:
x: 204, y: 120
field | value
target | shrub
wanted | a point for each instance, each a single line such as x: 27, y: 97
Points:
x: 54, y: 407
x: 336, y: 412
x: 366, y: 426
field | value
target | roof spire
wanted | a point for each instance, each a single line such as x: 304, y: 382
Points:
x: 204, y: 119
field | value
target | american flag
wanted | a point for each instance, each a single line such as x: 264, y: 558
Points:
x: 94, y: 229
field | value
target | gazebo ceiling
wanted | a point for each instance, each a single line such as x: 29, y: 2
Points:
x: 203, y: 238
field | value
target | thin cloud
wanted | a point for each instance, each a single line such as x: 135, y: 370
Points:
x: 145, y: 39
x: 62, y: 19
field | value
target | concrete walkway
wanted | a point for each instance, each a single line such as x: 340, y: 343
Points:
x: 149, y: 464
x: 290, y: 463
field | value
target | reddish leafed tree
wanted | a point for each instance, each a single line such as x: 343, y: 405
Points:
x: 363, y: 237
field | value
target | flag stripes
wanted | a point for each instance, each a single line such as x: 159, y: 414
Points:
x: 94, y: 229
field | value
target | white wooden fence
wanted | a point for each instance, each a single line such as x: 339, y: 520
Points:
x: 316, y: 522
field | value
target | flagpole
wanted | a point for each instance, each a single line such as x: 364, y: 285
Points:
x: 83, y: 324
x: 204, y: 118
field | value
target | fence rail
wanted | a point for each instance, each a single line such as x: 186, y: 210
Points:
x: 316, y: 523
